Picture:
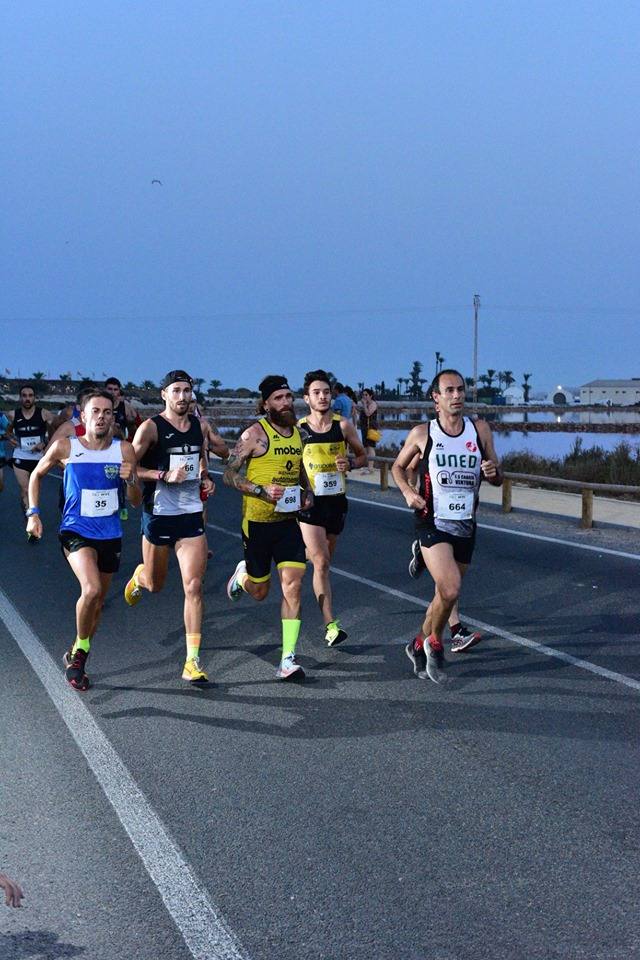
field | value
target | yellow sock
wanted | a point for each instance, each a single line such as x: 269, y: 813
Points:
x: 81, y: 644
x: 193, y: 645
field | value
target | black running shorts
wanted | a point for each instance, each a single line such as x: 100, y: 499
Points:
x: 279, y: 542
x: 327, y: 512
x: 462, y: 546
x: 166, y: 531
x: 27, y: 465
x: 108, y: 550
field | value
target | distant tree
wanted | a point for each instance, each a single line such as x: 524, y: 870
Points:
x: 130, y: 387
x: 526, y: 386
x: 38, y: 375
x: 469, y: 382
x: 214, y: 386
x: 490, y: 374
x: 486, y: 379
x: 148, y: 385
x: 65, y: 377
x: 508, y: 378
x: 416, y: 381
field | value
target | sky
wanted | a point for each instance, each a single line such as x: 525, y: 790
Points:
x: 338, y: 179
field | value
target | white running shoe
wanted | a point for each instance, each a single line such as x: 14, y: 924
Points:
x: 289, y: 668
x: 234, y: 590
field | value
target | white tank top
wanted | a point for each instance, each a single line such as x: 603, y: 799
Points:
x: 454, y: 476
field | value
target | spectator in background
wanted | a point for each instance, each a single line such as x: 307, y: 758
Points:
x: 354, y: 404
x: 368, y: 421
x: 341, y: 402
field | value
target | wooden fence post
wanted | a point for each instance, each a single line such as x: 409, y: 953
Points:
x: 587, y: 509
x: 384, y: 476
x: 506, y: 495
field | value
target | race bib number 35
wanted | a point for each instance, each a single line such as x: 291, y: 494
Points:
x: 289, y: 502
x: 328, y: 484
x: 99, y: 503
x: 455, y: 505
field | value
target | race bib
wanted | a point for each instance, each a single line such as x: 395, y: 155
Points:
x: 99, y: 503
x: 455, y: 505
x: 190, y: 462
x: 289, y: 502
x: 29, y: 443
x: 328, y: 484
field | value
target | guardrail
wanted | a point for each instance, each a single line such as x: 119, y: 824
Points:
x: 586, y: 489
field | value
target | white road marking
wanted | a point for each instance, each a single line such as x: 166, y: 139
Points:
x: 204, y: 930
x: 514, y: 533
x: 480, y: 625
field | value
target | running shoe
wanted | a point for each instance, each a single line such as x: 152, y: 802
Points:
x: 193, y: 672
x: 436, y: 665
x: 416, y: 564
x: 334, y: 633
x: 74, y: 664
x: 289, y: 669
x: 418, y: 657
x: 132, y: 592
x: 234, y: 590
x: 464, y: 639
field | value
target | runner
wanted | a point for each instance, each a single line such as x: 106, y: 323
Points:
x: 325, y: 437
x: 169, y: 450
x: 454, y: 455
x: 125, y: 414
x: 5, y: 447
x: 271, y: 448
x: 461, y: 637
x: 73, y: 425
x: 213, y: 443
x: 28, y: 431
x: 95, y: 467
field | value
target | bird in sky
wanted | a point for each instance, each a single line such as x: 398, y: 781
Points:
x: 156, y: 181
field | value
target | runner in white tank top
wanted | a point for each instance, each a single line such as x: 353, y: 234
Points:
x: 454, y: 454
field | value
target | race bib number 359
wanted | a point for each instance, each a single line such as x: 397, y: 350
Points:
x: 328, y: 484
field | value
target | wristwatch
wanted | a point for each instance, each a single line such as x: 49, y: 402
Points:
x: 258, y: 490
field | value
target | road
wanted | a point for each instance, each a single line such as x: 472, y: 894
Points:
x: 364, y: 814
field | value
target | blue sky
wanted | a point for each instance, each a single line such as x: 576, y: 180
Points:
x: 338, y: 180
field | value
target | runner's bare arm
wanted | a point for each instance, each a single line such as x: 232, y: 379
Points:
x: 354, y: 443
x: 490, y: 465
x: 65, y: 429
x: 56, y: 456
x: 413, y: 446
x: 146, y: 437
x: 129, y: 473
x: 253, y: 442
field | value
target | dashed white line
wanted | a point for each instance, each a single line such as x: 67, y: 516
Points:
x: 480, y: 625
x: 205, y: 932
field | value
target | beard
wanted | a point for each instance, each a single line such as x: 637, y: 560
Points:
x: 282, y: 418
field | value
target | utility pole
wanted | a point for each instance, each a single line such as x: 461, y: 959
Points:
x: 476, y: 310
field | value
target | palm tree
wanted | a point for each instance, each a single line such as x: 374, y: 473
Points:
x: 490, y: 374
x: 508, y: 378
x: 399, y: 381
x: 39, y: 375
x: 526, y: 386
x: 148, y: 385
x: 215, y: 386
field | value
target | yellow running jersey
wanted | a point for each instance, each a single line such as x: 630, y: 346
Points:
x: 319, y: 454
x: 280, y: 464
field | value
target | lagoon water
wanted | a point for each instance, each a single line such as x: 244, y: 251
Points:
x: 540, y: 444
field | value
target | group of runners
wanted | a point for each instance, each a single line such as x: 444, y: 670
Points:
x: 292, y: 476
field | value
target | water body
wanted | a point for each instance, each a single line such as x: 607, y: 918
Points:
x: 535, y: 416
x: 540, y: 444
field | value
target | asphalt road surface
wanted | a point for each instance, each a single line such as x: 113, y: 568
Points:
x: 364, y: 815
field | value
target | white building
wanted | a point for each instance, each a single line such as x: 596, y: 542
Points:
x: 611, y: 392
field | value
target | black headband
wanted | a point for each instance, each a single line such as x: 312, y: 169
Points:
x: 270, y: 384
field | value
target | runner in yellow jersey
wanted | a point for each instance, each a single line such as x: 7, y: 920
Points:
x: 271, y: 451
x: 325, y: 437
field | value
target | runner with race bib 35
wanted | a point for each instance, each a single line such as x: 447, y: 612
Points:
x: 454, y: 454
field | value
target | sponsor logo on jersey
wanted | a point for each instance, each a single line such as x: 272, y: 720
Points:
x: 456, y: 460
x: 111, y: 470
x: 471, y: 447
x: 291, y: 451
x: 456, y: 478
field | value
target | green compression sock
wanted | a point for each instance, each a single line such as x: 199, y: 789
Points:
x: 290, y: 631
x: 81, y: 644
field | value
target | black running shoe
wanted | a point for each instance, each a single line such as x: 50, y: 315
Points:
x: 74, y: 664
x: 416, y: 564
x: 418, y: 657
x: 464, y: 639
x: 436, y: 665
